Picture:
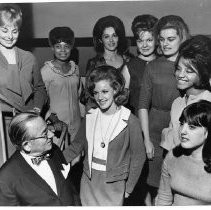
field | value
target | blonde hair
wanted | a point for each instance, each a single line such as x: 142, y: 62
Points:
x: 10, y: 13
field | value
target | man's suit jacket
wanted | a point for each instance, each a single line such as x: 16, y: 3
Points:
x: 21, y: 185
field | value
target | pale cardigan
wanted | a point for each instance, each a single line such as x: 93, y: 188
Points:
x: 170, y: 135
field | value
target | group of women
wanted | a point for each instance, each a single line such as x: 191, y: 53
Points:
x: 151, y: 112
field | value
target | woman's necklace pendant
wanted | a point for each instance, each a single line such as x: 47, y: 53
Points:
x: 102, y: 144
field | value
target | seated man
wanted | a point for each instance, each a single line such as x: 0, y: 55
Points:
x: 37, y: 173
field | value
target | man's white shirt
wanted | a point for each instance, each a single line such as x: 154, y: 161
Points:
x: 43, y: 170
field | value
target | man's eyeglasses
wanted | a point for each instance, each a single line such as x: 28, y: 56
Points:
x: 45, y: 136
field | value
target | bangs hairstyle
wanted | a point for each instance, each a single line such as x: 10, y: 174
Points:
x: 10, y: 13
x: 173, y: 22
x: 106, y: 22
x: 61, y: 34
x: 116, y: 80
x: 197, y: 50
x: 17, y: 128
x: 199, y: 114
x: 143, y: 23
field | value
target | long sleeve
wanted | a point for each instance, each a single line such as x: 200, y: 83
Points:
x: 138, y: 154
x: 165, y: 196
x: 170, y: 135
x: 167, y: 136
x: 40, y: 94
x: 7, y: 196
x: 45, y: 77
x: 76, y: 146
x: 146, y: 90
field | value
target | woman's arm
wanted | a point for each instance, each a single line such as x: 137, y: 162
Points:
x: 46, y: 77
x: 170, y: 135
x: 126, y: 75
x: 40, y: 94
x: 143, y: 112
x: 76, y: 146
x: 144, y: 118
x: 137, y: 152
x: 164, y: 196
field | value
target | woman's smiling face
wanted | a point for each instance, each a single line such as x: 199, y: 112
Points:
x: 145, y: 43
x: 104, y: 94
x: 186, y: 75
x: 110, y: 39
x: 62, y: 51
x: 9, y: 33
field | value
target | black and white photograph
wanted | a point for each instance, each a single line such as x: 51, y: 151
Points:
x: 105, y: 103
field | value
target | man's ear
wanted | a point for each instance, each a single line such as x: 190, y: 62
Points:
x: 26, y: 145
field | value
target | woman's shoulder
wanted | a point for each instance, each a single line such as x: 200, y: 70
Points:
x: 136, y: 61
x: 96, y: 58
x: 24, y: 54
x: 158, y: 61
x: 170, y: 157
x: 74, y: 68
x: 46, y: 67
x: 177, y: 101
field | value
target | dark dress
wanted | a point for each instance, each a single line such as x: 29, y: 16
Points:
x: 99, y: 60
x: 136, y: 68
x: 158, y: 91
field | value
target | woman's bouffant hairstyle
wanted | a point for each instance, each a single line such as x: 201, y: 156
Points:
x: 17, y: 128
x: 61, y: 34
x: 106, y: 22
x: 10, y: 13
x: 197, y: 50
x: 198, y: 114
x: 144, y: 22
x: 116, y: 79
x: 173, y: 22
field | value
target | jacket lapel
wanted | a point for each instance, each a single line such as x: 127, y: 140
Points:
x: 121, y: 123
x: 33, y: 176
x: 59, y: 178
x: 25, y: 86
x: 91, y: 119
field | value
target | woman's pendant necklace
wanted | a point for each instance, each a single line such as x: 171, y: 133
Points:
x: 102, y: 144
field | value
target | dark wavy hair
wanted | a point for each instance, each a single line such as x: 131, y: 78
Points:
x: 198, y: 114
x: 17, y: 130
x: 106, y: 22
x: 116, y: 79
x: 144, y: 22
x: 197, y: 50
x: 61, y: 34
x: 175, y: 22
x: 11, y: 13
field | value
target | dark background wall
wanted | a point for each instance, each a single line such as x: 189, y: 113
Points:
x: 40, y: 18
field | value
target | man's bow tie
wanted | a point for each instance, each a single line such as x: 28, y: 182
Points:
x: 38, y: 160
